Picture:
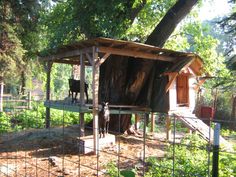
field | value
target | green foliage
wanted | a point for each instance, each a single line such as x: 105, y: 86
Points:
x: 227, y: 164
x: 224, y: 106
x: 59, y: 78
x: 227, y: 23
x: 128, y: 173
x: 227, y: 132
x: 112, y: 171
x: 35, y: 118
x: 194, y: 36
x: 223, y: 102
x: 73, y: 20
x: 191, y: 159
x: 4, y: 122
x: 180, y: 127
x: 19, y: 38
x: 11, y: 53
x: 150, y: 15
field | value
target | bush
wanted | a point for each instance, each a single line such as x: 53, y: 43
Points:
x: 35, y: 118
x: 5, y: 125
x: 191, y: 159
x: 112, y: 171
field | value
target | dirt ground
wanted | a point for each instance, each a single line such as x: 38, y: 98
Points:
x: 54, y: 152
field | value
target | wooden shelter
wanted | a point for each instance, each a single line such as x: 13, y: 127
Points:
x: 176, y: 68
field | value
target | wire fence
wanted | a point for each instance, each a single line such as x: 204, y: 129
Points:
x: 28, y: 149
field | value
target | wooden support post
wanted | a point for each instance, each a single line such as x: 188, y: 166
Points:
x: 29, y: 100
x: 168, y: 127
x: 1, y: 94
x: 82, y: 79
x: 137, y: 120
x: 95, y: 100
x: 48, y: 69
x: 152, y: 122
x: 81, y: 115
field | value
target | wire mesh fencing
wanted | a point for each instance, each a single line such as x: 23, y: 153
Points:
x: 28, y: 149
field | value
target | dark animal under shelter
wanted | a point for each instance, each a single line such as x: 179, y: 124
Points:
x: 74, y: 87
x: 104, y: 118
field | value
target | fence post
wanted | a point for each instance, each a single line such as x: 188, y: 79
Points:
x: 216, y: 145
x: 1, y: 95
x: 168, y: 127
x: 152, y: 122
x: 48, y: 93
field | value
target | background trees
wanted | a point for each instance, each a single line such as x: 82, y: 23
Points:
x: 39, y: 25
x: 19, y: 39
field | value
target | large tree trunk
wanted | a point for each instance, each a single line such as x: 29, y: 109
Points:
x: 169, y: 22
x: 123, y: 81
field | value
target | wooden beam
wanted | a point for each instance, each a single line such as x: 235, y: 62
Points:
x: 68, y: 54
x: 95, y: 100
x: 90, y: 59
x: 172, y: 78
x: 187, y: 65
x: 88, y: 108
x: 199, y: 84
x: 135, y: 54
x: 103, y: 59
x: 73, y: 62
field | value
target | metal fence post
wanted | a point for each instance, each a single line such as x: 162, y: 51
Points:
x: 216, y: 145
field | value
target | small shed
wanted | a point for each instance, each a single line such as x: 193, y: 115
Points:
x: 173, y: 85
x: 176, y: 88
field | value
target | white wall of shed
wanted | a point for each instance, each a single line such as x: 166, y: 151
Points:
x: 173, y: 95
x: 192, y: 92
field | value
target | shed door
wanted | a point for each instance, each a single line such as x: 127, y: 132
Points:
x: 182, y: 90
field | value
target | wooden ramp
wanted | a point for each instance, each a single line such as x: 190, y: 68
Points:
x: 195, y: 124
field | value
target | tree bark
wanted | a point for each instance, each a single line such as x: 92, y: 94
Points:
x: 169, y: 22
x: 125, y: 81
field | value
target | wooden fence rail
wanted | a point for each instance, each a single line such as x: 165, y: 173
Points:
x: 10, y: 102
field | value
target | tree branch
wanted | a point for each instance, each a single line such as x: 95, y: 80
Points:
x: 136, y: 10
x: 169, y: 22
